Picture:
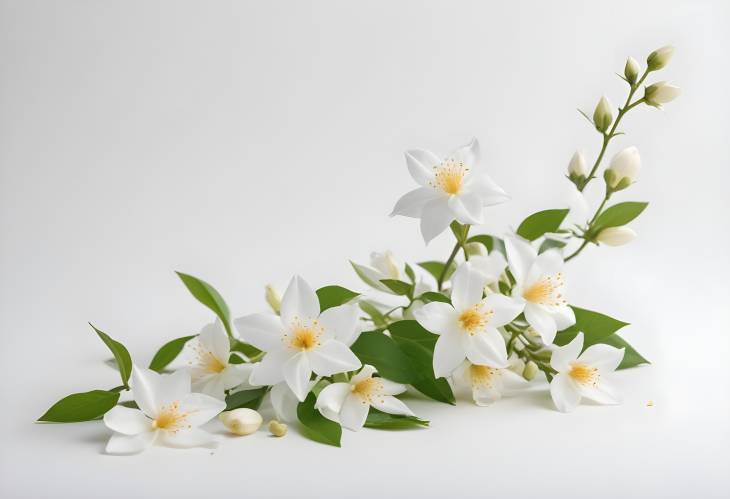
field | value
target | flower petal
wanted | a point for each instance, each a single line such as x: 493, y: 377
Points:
x: 603, y: 392
x: 467, y: 287
x: 411, y: 204
x: 366, y: 372
x: 127, y: 421
x: 284, y: 402
x: 152, y: 390
x: 520, y: 255
x: 485, y: 395
x: 200, y: 408
x: 547, y: 263
x: 563, y: 356
x: 391, y: 387
x: 340, y: 322
x: 542, y: 321
x: 420, y: 165
x: 491, y: 265
x: 211, y: 384
x: 486, y: 189
x: 563, y: 316
x: 354, y: 412
x: 333, y: 357
x: 468, y: 153
x: 564, y: 393
x: 435, y: 218
x: 270, y: 370
x: 447, y: 355
x: 391, y: 405
x: 193, y: 437
x: 130, y: 444
x: 487, y: 348
x: 467, y: 208
x: 214, y: 339
x: 603, y: 357
x: 330, y: 400
x: 296, y: 373
x: 237, y: 375
x: 299, y: 301
x: 505, y: 309
x: 436, y: 317
x: 264, y: 331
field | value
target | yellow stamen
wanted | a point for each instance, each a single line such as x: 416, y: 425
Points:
x: 304, y: 336
x: 546, y: 291
x: 207, y: 360
x: 449, y: 176
x: 170, y: 418
x: 473, y: 320
x: 367, y: 389
x: 482, y: 375
x: 584, y: 374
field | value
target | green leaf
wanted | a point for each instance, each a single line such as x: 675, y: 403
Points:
x: 409, y: 272
x: 78, y: 407
x: 595, y: 326
x: 492, y: 243
x: 384, y: 421
x: 381, y: 352
x: 430, y: 296
x: 632, y: 358
x: 541, y: 222
x: 250, y: 399
x: 398, y: 287
x: 418, y: 345
x: 550, y: 244
x: 208, y: 296
x: 246, y: 349
x: 332, y: 296
x: 375, y: 314
x: 121, y: 355
x: 168, y: 352
x: 436, y: 268
x: 618, y: 215
x: 315, y: 426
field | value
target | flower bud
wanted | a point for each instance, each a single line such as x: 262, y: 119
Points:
x: 631, y: 70
x: 659, y: 58
x: 386, y: 264
x: 616, y: 236
x: 660, y: 93
x: 530, y: 371
x: 277, y: 429
x: 603, y: 115
x: 623, y: 169
x: 475, y: 249
x: 241, y: 421
x: 577, y: 169
x: 273, y: 298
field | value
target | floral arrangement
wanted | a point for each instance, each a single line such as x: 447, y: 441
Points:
x: 489, y: 317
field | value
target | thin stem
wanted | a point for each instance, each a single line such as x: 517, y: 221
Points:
x: 442, y: 277
x: 587, y: 236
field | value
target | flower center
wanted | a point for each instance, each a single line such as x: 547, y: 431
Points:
x: 304, y: 336
x: 170, y: 418
x: 546, y: 291
x: 367, y: 389
x: 584, y: 374
x: 482, y: 375
x: 473, y: 320
x: 449, y: 176
x: 207, y: 361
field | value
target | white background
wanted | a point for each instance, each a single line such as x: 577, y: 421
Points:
x: 244, y: 142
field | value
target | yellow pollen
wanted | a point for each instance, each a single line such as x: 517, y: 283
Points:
x: 170, y: 418
x: 449, y: 176
x: 473, y: 320
x: 206, y: 360
x: 304, y: 339
x: 546, y: 291
x: 482, y: 375
x: 584, y: 374
x: 367, y: 389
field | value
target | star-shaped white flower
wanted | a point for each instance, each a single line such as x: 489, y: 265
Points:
x: 211, y: 371
x: 468, y: 328
x: 453, y: 188
x: 349, y: 403
x: 301, y: 340
x: 168, y: 413
x: 584, y: 375
x: 539, y: 287
x: 487, y: 383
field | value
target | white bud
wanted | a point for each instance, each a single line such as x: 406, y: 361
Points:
x: 624, y: 168
x: 660, y: 93
x: 631, y: 70
x: 277, y: 429
x: 616, y: 236
x: 273, y: 298
x: 659, y: 58
x: 475, y: 249
x: 530, y: 371
x: 577, y: 166
x: 603, y: 115
x: 386, y: 264
x: 241, y: 421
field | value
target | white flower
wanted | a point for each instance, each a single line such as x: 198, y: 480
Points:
x: 210, y: 370
x: 301, y: 340
x: 349, y: 403
x: 382, y: 266
x: 660, y: 58
x: 453, y: 188
x: 490, y: 266
x: 577, y: 166
x: 487, y: 383
x: 539, y: 287
x: 660, y: 93
x: 168, y: 413
x: 584, y: 375
x: 468, y: 329
x: 616, y: 236
x: 624, y: 167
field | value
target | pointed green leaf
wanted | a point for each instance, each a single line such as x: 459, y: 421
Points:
x: 436, y: 268
x: 121, y: 355
x: 618, y: 215
x: 595, y: 326
x: 537, y: 224
x: 208, y: 296
x: 79, y: 407
x: 632, y: 358
x: 250, y: 399
x: 409, y: 272
x: 430, y: 296
x: 375, y: 314
x: 315, y: 426
x: 168, y: 352
x: 550, y: 244
x: 332, y: 296
x: 398, y: 287
x: 381, y: 352
x: 384, y: 421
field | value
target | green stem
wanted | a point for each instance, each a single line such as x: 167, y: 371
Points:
x: 587, y: 236
x: 442, y: 277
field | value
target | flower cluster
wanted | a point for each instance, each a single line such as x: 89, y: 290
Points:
x: 488, y: 319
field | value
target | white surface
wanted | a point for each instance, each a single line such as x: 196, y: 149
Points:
x: 245, y: 142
